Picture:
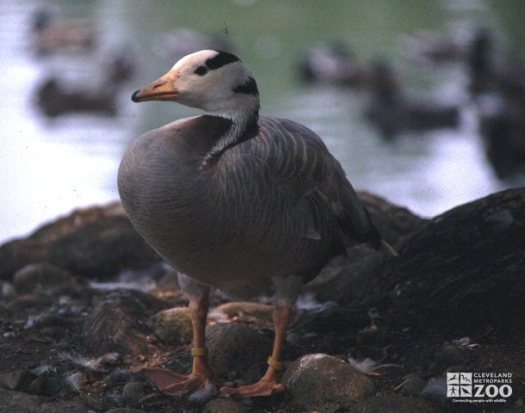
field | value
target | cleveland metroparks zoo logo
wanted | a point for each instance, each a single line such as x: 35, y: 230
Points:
x: 469, y: 387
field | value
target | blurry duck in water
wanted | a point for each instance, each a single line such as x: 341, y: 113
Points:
x: 237, y: 201
x: 435, y: 48
x: 498, y: 90
x: 332, y: 63
x: 480, y: 65
x: 51, y: 36
x: 55, y: 99
x: 392, y: 113
x: 502, y: 124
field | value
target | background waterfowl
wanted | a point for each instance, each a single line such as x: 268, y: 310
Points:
x: 498, y: 91
x: 436, y: 48
x: 503, y: 132
x: 392, y: 112
x: 236, y: 201
x: 502, y: 123
x: 480, y: 63
x: 51, y: 35
x: 332, y: 63
x: 54, y: 98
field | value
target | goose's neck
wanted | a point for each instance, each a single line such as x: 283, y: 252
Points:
x: 243, y: 126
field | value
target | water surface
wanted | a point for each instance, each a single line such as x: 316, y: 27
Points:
x: 49, y: 167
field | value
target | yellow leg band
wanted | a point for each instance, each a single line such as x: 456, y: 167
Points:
x: 199, y: 351
x: 274, y: 364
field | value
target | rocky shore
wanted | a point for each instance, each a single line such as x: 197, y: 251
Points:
x: 85, y: 305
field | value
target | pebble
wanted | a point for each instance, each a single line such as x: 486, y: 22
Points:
x: 118, y: 376
x: 413, y: 385
x: 224, y: 406
x: 7, y: 289
x: 133, y: 391
x: 173, y: 326
x: 117, y: 322
x: 435, y: 389
x: 450, y: 355
x: 20, y: 402
x: 320, y: 381
x: 47, y: 385
x: 40, y: 278
x: 18, y: 379
x: 236, y: 351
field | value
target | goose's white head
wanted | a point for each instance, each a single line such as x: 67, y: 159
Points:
x: 212, y: 80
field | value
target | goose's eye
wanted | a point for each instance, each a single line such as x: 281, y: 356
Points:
x: 201, y: 70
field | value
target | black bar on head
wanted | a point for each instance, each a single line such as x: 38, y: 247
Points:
x: 221, y: 59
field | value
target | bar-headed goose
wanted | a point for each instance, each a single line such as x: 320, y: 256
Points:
x: 235, y: 201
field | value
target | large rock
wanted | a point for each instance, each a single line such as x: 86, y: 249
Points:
x: 94, y: 242
x: 464, y: 272
x: 394, y: 222
x: 350, y: 279
x: 328, y: 331
x: 320, y: 381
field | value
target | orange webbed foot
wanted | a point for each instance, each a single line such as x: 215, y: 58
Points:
x: 177, y: 385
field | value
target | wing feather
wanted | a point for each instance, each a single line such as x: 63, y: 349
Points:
x: 301, y: 164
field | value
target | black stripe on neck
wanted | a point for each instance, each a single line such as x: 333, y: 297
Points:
x: 250, y: 131
x: 221, y: 59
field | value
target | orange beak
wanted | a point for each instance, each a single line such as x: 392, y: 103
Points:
x: 161, y: 89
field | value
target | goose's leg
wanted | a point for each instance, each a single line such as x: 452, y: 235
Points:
x: 287, y: 290
x: 201, y: 375
x: 269, y: 383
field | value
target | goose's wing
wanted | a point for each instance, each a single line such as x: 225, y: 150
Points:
x: 301, y: 164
